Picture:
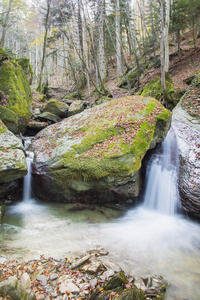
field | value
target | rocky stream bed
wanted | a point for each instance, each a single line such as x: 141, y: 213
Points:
x: 90, y: 275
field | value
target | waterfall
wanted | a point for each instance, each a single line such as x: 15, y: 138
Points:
x: 161, y: 193
x: 27, y: 178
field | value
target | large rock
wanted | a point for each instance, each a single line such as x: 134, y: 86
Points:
x: 16, y: 91
x: 96, y: 156
x: 154, y: 89
x: 186, y: 117
x: 13, y: 288
x: 57, y: 108
x: 24, y: 62
x: 12, y: 156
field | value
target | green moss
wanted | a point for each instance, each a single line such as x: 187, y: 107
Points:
x: 24, y: 62
x: 14, y: 84
x: 9, y: 119
x: 154, y: 89
x: 3, y: 128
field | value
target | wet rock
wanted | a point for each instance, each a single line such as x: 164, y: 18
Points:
x: 13, y: 288
x: 187, y: 130
x: 89, y: 159
x: 26, y: 281
x: 2, y: 212
x: 12, y: 156
x: 118, y: 280
x: 66, y: 285
x: 80, y: 262
x: 42, y: 278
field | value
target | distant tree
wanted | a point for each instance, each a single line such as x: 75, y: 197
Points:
x: 39, y: 87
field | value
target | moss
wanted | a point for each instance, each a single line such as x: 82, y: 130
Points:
x: 14, y: 84
x: 3, y: 128
x: 24, y: 62
x: 154, y: 89
x: 109, y: 148
x: 9, y: 119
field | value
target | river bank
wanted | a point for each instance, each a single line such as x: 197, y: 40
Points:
x: 89, y: 275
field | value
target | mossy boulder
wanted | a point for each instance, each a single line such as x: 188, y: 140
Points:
x: 154, y: 89
x: 12, y: 156
x: 9, y: 119
x: 57, y: 108
x: 24, y: 62
x: 76, y: 107
x: 48, y: 117
x: 95, y: 156
x: 15, y: 86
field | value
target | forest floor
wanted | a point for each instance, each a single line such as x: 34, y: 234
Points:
x: 181, y: 67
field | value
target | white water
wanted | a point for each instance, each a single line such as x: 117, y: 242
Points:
x: 145, y: 241
x: 161, y: 193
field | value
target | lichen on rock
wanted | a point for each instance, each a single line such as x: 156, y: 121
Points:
x: 15, y: 86
x: 12, y: 156
x: 96, y: 155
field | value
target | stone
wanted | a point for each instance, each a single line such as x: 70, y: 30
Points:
x: 12, y: 156
x: 26, y: 281
x: 2, y: 212
x: 57, y: 108
x: 42, y: 278
x: 76, y: 107
x: 13, y: 288
x: 186, y: 125
x: 47, y: 116
x: 15, y: 85
x: 92, y: 267
x: 96, y: 156
x: 66, y: 285
x: 24, y: 62
x: 154, y: 89
x: 118, y: 280
x: 80, y: 262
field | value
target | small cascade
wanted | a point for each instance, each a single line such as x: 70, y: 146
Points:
x: 27, y: 178
x: 161, y: 193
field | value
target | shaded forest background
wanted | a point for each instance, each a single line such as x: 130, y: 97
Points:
x: 81, y: 45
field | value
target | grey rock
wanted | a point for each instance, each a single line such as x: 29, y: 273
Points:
x: 92, y: 158
x: 13, y: 288
x: 26, y: 281
x: 12, y: 157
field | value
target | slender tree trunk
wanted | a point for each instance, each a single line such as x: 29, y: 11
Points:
x: 44, y: 47
x: 166, y: 32
x: 118, y: 44
x: 133, y: 44
x: 162, y: 48
x: 101, y: 45
x: 193, y: 33
x: 5, y: 24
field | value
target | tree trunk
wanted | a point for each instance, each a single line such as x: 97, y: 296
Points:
x: 133, y: 45
x: 162, y: 48
x: 118, y: 44
x: 166, y: 32
x: 39, y: 87
x: 5, y: 24
x: 101, y: 46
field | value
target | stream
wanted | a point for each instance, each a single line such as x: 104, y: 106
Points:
x: 153, y: 238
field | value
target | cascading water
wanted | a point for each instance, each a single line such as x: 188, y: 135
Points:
x: 27, y: 178
x: 161, y: 193
x: 150, y: 239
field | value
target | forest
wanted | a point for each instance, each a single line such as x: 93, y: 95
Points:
x: 99, y: 149
x: 72, y: 43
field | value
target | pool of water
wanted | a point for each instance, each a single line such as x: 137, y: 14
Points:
x: 141, y: 241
